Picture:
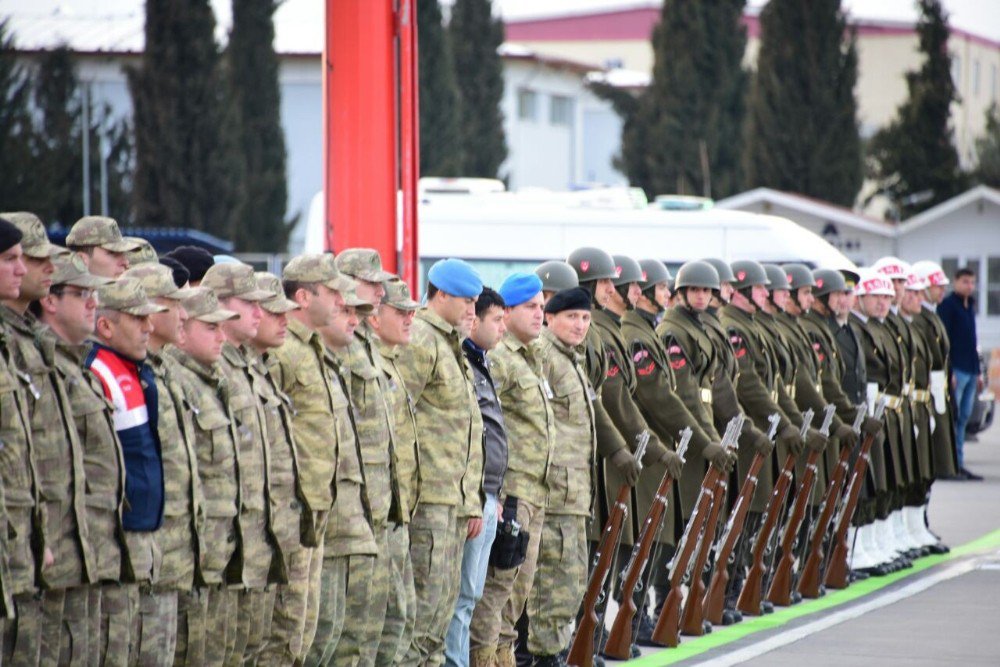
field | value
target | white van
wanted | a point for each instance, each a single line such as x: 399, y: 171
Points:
x: 500, y: 232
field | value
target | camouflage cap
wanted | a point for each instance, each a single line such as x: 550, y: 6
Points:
x: 158, y: 281
x: 34, y: 240
x: 234, y: 279
x: 277, y: 303
x: 351, y: 298
x: 363, y: 264
x: 97, y: 230
x: 203, y: 305
x: 143, y: 254
x: 397, y: 295
x: 317, y: 268
x: 126, y: 295
x: 72, y: 270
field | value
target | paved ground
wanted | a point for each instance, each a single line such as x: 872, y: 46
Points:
x: 953, y: 621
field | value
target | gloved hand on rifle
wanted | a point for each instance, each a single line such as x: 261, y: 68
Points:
x: 626, y: 465
x: 719, y: 456
x: 672, y: 462
x: 815, y: 440
x: 871, y: 426
x: 844, y: 436
x: 789, y: 438
x: 761, y: 443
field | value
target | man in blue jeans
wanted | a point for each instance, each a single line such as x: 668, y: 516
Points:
x: 487, y: 330
x: 958, y: 313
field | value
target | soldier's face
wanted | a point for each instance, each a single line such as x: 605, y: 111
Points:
x: 900, y: 287
x: 127, y: 334
x: 726, y: 292
x: 759, y: 295
x: 456, y: 311
x: 340, y: 331
x: 393, y: 325
x: 661, y: 294
x: 805, y: 298
x: 489, y: 329
x: 320, y: 307
x: 12, y: 272
x: 168, y: 326
x: 370, y: 291
x: 780, y: 297
x: 569, y: 326
x: 698, y: 298
x: 37, y: 278
x: 73, y: 311
x: 876, y: 305
x: 525, y: 320
x: 272, y: 330
x: 911, y: 302
x: 634, y: 292
x: 935, y: 293
x: 242, y: 330
x: 604, y: 290
x: 203, y: 341
x: 105, y: 263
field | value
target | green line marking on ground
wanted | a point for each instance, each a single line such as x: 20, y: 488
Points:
x: 722, y: 635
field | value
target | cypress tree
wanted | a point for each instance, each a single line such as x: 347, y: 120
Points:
x: 440, y: 143
x: 915, y: 154
x: 253, y: 73
x: 988, y: 150
x: 188, y: 165
x: 690, y: 116
x: 475, y: 37
x: 802, y: 128
x: 19, y: 183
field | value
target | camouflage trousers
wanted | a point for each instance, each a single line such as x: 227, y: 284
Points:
x: 401, y: 607
x: 559, y: 585
x: 154, y: 627
x: 315, y: 579
x: 220, y: 623
x: 119, y: 603
x: 367, y: 598
x: 253, y: 624
x: 22, y: 637
x: 506, y: 591
x: 288, y: 621
x: 65, y: 626
x: 332, y: 607
x: 192, y: 618
x: 437, y: 535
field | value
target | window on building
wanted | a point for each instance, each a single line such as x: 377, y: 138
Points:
x: 561, y: 110
x: 975, y: 77
x: 956, y: 71
x: 527, y: 104
x: 993, y: 286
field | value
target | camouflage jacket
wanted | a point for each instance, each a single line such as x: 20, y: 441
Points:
x: 404, y: 428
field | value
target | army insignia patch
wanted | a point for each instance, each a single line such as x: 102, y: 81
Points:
x: 741, y: 275
x: 819, y: 282
x: 739, y: 348
x: 677, y: 358
x: 613, y: 371
x: 584, y: 265
x: 819, y: 352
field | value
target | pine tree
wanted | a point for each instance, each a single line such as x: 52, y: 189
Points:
x: 188, y: 164
x: 440, y: 143
x: 802, y: 128
x: 253, y: 73
x: 18, y: 186
x: 475, y: 37
x: 914, y: 160
x: 690, y: 116
x: 988, y: 150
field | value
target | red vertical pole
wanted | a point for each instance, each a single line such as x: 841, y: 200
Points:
x: 409, y: 133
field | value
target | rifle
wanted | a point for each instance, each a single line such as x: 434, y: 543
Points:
x: 581, y: 652
x: 619, y: 644
x: 750, y: 597
x: 780, y: 592
x: 715, y: 599
x: 810, y: 578
x: 666, y: 631
x: 837, y: 573
x: 692, y: 619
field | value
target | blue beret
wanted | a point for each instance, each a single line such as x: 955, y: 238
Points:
x: 520, y: 287
x: 455, y: 277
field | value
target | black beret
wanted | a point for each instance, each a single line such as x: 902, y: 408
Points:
x: 196, y: 260
x: 181, y: 274
x: 574, y: 298
x: 10, y: 235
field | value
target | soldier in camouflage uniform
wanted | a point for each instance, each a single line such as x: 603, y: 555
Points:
x: 236, y: 288
x: 368, y: 392
x: 58, y: 455
x: 21, y: 638
x: 392, y: 324
x: 100, y: 244
x: 291, y: 563
x: 449, y: 430
x: 179, y: 539
x: 143, y: 254
x: 211, y: 607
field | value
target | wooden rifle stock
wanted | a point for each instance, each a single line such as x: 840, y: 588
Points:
x: 692, y: 619
x: 752, y: 593
x: 811, y: 575
x: 619, y: 644
x: 780, y: 592
x: 837, y: 572
x: 715, y: 598
x: 581, y: 653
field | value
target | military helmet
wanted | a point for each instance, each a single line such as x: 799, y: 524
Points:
x: 722, y: 268
x: 776, y: 277
x: 556, y: 276
x: 698, y: 273
x: 932, y: 271
x: 654, y: 272
x: 747, y: 273
x: 592, y: 264
x: 799, y: 275
x: 871, y: 282
x: 892, y: 267
x: 829, y: 280
x: 628, y: 270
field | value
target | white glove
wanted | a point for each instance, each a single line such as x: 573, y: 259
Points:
x: 933, y: 424
x: 871, y: 395
x: 938, y: 384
